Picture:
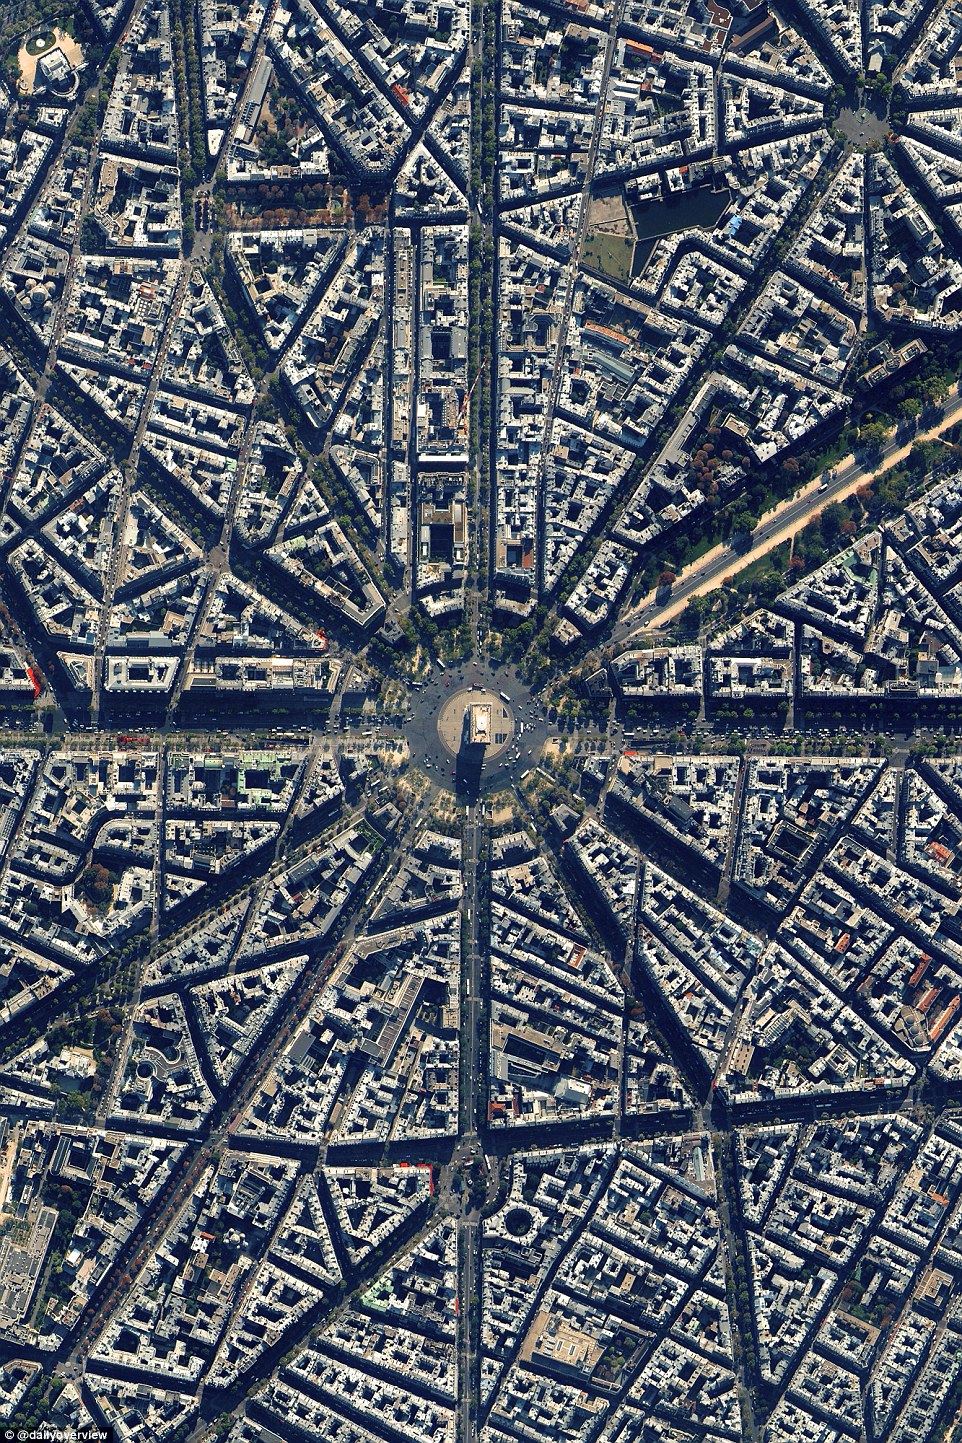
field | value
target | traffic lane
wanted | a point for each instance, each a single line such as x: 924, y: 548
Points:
x: 722, y: 565
x: 805, y: 505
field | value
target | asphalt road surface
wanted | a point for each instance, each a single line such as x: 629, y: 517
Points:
x: 785, y: 519
x: 427, y: 750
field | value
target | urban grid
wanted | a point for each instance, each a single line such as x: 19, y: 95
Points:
x: 481, y: 721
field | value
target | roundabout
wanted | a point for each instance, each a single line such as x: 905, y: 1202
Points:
x: 476, y: 716
x: 864, y: 120
x: 475, y: 728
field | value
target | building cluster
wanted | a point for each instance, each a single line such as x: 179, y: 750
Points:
x: 377, y: 1057
x: 257, y: 1247
x: 390, y: 1357
x: 400, y: 449
x: 79, y: 844
x: 179, y: 1306
x: 365, y: 122
x: 98, y: 845
x: 138, y: 206
x: 160, y: 1078
x: 603, y: 1277
x: 595, y: 598
x: 118, y: 1176
x: 428, y: 880
x: 428, y: 521
x: 607, y: 866
x: 141, y: 116
x: 120, y: 591
x: 306, y: 898
x: 26, y: 978
x: 303, y: 158
x: 691, y: 798
x: 281, y: 274
x: 630, y: 321
x: 321, y: 361
x: 603, y: 1283
x: 24, y: 163
x: 556, y: 1006
x: 280, y: 1127
x: 554, y: 60
x: 696, y: 961
x: 857, y: 1339
x: 629, y: 324
x: 639, y: 186
x: 136, y: 1411
x: 115, y: 312
x: 846, y: 976
x: 829, y: 251
x: 117, y: 585
x: 17, y: 1378
x: 915, y: 277
x: 604, y: 1297
x: 228, y: 39
x: 879, y: 623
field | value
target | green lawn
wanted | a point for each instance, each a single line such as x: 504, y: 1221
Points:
x: 610, y: 254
